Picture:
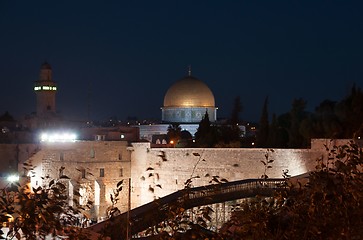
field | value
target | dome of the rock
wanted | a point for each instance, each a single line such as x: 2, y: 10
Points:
x: 187, y: 101
x: 189, y: 92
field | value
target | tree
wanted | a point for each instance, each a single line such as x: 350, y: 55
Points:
x: 297, y: 115
x: 228, y: 136
x: 350, y: 112
x: 263, y: 130
x: 326, y: 206
x: 39, y: 212
x: 237, y: 108
x: 275, y: 136
x: 206, y: 135
x: 326, y: 122
x: 174, y: 132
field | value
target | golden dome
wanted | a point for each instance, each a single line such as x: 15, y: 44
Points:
x: 189, y: 92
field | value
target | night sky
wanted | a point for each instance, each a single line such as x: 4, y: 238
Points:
x: 120, y: 57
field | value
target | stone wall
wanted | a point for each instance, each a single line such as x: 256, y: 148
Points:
x: 94, y: 168
x: 154, y: 172
x: 157, y: 172
x: 12, y: 156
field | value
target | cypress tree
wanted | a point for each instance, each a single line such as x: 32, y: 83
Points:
x: 262, y: 134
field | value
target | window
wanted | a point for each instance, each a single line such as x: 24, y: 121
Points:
x: 102, y: 172
x: 120, y: 156
x: 92, y: 153
x: 121, y: 172
x: 100, y: 137
x: 83, y: 172
x: 61, y: 171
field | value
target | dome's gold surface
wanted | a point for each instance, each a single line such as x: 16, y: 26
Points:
x: 189, y: 92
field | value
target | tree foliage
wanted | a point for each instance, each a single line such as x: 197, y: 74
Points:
x: 328, y: 206
x: 263, y: 131
x: 330, y: 119
x: 206, y: 135
x: 39, y: 212
x: 236, y: 110
x: 174, y: 132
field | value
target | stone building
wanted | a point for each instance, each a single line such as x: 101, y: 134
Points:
x: 45, y: 89
x: 185, y: 103
x: 93, y: 167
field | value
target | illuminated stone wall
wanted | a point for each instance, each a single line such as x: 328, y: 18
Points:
x: 179, y: 164
x: 94, y: 168
x: 154, y: 172
x: 12, y: 156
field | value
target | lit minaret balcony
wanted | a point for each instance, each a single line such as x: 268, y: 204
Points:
x: 45, y: 89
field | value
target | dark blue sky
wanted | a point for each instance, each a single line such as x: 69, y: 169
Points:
x: 128, y: 53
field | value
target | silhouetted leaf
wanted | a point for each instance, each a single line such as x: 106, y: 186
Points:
x: 120, y: 183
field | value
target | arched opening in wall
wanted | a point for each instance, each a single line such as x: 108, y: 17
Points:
x: 86, y: 193
x: 83, y: 196
x: 96, y: 205
x: 97, y: 193
x: 70, y: 193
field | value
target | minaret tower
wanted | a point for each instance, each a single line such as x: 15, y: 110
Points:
x: 45, y: 89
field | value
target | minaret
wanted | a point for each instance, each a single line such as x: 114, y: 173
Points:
x: 45, y: 89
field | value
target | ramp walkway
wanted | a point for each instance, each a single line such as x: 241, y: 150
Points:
x: 152, y: 213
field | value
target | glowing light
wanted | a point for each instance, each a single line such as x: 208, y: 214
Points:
x: 50, y: 88
x: 13, y: 178
x: 171, y: 142
x: 58, y: 137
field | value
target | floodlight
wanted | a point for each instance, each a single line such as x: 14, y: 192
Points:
x: 13, y: 178
x: 58, y: 137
